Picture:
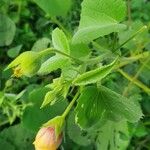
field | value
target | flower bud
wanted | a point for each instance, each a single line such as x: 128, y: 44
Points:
x: 49, y: 136
x: 27, y: 63
x: 46, y: 139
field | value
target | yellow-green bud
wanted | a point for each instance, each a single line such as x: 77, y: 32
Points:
x: 27, y: 64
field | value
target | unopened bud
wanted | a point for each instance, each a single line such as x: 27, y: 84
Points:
x: 27, y: 64
x: 46, y: 139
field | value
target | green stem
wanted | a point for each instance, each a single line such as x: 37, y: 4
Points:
x: 135, y: 34
x: 129, y: 12
x: 52, y: 50
x: 135, y: 81
x: 98, y: 59
x: 56, y: 21
x: 70, y: 105
x: 135, y: 77
x: 129, y: 60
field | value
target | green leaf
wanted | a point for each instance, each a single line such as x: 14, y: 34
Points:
x: 13, y: 52
x: 97, y: 104
x: 4, y: 144
x: 49, y: 97
x: 79, y: 50
x: 75, y: 133
x: 113, y: 136
x: 16, y: 138
x: 60, y: 41
x: 94, y: 75
x: 54, y: 7
x: 99, y: 18
x: 58, y: 61
x: 7, y: 30
x: 59, y: 90
x: 34, y: 117
x: 52, y: 64
x: 41, y: 44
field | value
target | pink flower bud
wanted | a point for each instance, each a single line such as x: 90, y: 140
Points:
x: 47, y: 140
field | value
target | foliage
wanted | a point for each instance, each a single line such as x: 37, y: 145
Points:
x: 81, y: 66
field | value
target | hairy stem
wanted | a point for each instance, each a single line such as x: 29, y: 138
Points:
x: 128, y: 60
x: 56, y: 21
x: 129, y: 12
x: 135, y: 81
x: 53, y: 50
x: 135, y: 77
x: 135, y: 34
x: 71, y: 105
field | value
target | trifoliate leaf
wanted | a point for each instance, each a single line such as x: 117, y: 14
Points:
x: 96, y: 104
x: 99, y: 18
x: 94, y: 75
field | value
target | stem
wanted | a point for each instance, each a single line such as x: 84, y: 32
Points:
x: 52, y: 50
x: 70, y: 105
x: 98, y: 58
x: 135, y: 34
x: 129, y: 12
x: 135, y: 77
x: 135, y: 81
x: 56, y: 21
x: 129, y: 60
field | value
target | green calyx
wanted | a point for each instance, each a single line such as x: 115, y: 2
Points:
x: 27, y: 64
x: 57, y: 123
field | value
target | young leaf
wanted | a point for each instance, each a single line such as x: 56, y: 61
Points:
x: 52, y: 64
x: 94, y: 75
x: 60, y: 41
x: 59, y: 90
x: 96, y: 104
x: 54, y: 7
x: 99, y: 18
x: 49, y: 97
